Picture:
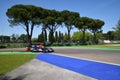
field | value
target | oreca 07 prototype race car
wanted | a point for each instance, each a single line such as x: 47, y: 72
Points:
x: 39, y: 48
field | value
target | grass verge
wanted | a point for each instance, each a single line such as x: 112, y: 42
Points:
x: 102, y: 47
x: 12, y: 61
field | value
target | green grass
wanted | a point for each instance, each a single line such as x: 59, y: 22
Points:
x: 11, y: 53
x: 12, y: 61
x: 102, y: 46
x: 105, y: 46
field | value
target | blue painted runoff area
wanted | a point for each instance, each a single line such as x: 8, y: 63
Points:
x: 100, y: 71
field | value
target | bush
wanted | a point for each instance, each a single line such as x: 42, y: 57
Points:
x: 2, y: 47
x: 60, y: 44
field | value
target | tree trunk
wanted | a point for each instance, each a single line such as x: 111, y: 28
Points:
x: 29, y: 35
x: 95, y: 41
x: 83, y: 37
x: 51, y: 37
x: 32, y: 27
x: 69, y: 39
x: 29, y: 40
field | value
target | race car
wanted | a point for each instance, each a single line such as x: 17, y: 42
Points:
x: 39, y: 48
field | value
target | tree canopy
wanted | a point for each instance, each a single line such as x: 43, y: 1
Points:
x: 83, y: 24
x: 117, y: 30
x: 69, y: 20
x: 26, y: 15
x: 29, y: 16
x: 96, y: 26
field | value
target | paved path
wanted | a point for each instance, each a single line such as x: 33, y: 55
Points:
x: 39, y: 70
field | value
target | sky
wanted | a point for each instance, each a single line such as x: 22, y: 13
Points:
x: 106, y: 10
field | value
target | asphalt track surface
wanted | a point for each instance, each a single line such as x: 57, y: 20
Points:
x: 99, y: 55
x: 96, y: 55
x: 13, y: 50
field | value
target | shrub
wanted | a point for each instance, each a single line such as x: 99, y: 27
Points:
x: 2, y: 47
